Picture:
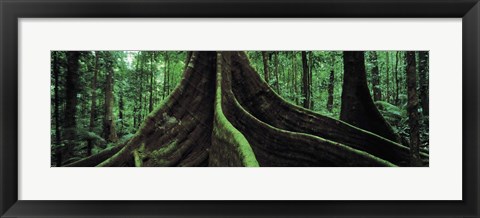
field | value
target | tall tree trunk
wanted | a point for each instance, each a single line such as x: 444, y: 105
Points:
x: 423, y: 77
x: 377, y: 92
x: 275, y: 70
x: 71, y: 90
x: 150, y: 106
x: 165, y: 76
x: 387, y: 79
x: 121, y: 108
x: 265, y: 66
x: 305, y: 82
x: 228, y: 106
x: 109, y: 130
x: 357, y: 107
x: 58, y: 139
x: 310, y: 78
x: 331, y: 83
x: 295, y: 88
x: 396, y: 78
x: 93, y: 105
x: 412, y: 109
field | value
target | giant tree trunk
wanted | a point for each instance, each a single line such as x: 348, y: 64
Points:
x: 223, y: 114
x: 357, y: 107
x: 109, y: 130
x: 412, y: 109
x: 423, y: 77
x: 71, y: 90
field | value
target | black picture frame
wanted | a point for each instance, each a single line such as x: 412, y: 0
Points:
x: 12, y: 10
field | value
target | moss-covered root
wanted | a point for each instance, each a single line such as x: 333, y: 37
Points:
x: 171, y: 132
x: 263, y: 103
x: 229, y: 146
x: 277, y: 147
x: 96, y: 159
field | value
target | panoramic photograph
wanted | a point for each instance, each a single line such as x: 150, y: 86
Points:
x: 239, y: 109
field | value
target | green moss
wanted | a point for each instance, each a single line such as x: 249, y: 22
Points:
x: 225, y: 130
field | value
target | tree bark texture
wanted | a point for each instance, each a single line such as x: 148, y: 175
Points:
x: 357, y: 106
x: 71, y: 90
x: 423, y: 77
x: 412, y: 109
x: 110, y: 134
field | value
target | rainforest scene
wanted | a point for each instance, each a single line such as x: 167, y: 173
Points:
x: 239, y: 109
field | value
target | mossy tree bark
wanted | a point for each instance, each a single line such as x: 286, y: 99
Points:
x: 223, y: 114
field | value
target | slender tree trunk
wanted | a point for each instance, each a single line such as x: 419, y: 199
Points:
x: 71, y: 90
x: 310, y: 77
x: 412, y: 109
x: 423, y: 77
x: 305, y: 81
x: 275, y: 70
x: 357, y: 107
x: 165, y: 76
x: 396, y: 78
x: 121, y: 108
x: 265, y: 66
x: 58, y: 139
x: 387, y: 80
x: 295, y: 88
x: 377, y: 92
x: 152, y: 58
x: 93, y: 105
x: 331, y: 84
x: 109, y: 130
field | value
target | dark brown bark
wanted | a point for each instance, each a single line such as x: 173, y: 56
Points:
x: 265, y: 66
x: 71, y: 90
x: 423, y: 79
x: 58, y: 139
x: 223, y: 114
x: 412, y: 109
x: 109, y: 130
x: 93, y: 105
x: 377, y: 92
x: 305, y: 82
x: 357, y: 107
x: 331, y: 83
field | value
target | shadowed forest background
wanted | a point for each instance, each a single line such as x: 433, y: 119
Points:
x: 253, y: 108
